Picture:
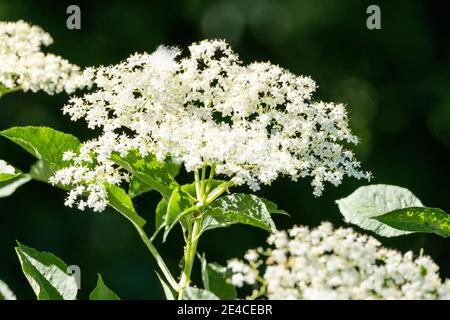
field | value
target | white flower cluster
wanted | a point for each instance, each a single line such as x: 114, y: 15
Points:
x: 24, y: 67
x: 255, y: 122
x: 327, y: 263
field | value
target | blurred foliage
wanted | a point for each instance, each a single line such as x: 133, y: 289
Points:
x: 395, y: 82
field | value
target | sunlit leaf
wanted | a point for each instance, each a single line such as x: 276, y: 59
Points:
x: 8, y: 172
x: 102, y: 292
x: 179, y: 204
x: 168, y: 292
x: 137, y: 187
x: 47, y: 274
x: 10, y: 179
x: 121, y: 201
x: 191, y: 293
x: 160, y: 213
x: 41, y: 171
x: 44, y: 143
x: 375, y: 200
x: 5, y: 292
x: 273, y: 207
x: 214, y: 277
x: 238, y: 208
x: 418, y: 219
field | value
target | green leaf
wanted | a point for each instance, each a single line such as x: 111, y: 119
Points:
x: 168, y: 292
x: 174, y: 168
x: 190, y: 187
x: 7, y: 176
x: 155, y: 174
x: 41, y: 171
x: 160, y: 214
x: 179, y: 204
x: 8, y: 188
x: 273, y: 208
x: 47, y: 274
x: 102, y: 292
x: 8, y: 172
x: 137, y: 187
x: 44, y: 143
x: 214, y: 277
x: 5, y: 292
x: 375, y: 200
x: 117, y: 197
x: 237, y: 208
x: 418, y: 219
x: 191, y: 293
x: 121, y: 201
x: 10, y: 179
x: 4, y: 90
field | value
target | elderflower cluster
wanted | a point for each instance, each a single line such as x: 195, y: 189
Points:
x: 24, y: 67
x: 255, y: 122
x: 327, y: 263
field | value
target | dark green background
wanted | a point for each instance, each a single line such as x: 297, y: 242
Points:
x: 396, y: 82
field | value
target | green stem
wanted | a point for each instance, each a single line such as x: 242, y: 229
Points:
x: 217, y: 192
x: 189, y: 258
x: 203, y: 183
x: 193, y: 234
x: 202, y: 187
x: 210, y: 179
x: 197, y: 184
x: 157, y: 257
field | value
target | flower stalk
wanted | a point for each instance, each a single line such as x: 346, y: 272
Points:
x: 203, y: 185
x: 159, y: 260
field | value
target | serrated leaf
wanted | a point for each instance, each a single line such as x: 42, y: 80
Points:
x: 155, y: 174
x: 5, y: 292
x: 237, y: 208
x: 418, y: 219
x: 47, y: 274
x: 166, y: 288
x: 273, y: 207
x: 214, y: 277
x: 375, y: 200
x: 44, y: 143
x: 102, y: 292
x: 191, y: 293
x: 121, y: 201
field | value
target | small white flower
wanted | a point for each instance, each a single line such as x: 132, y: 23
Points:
x: 255, y: 122
x: 236, y: 266
x: 327, y: 263
x: 23, y: 66
x: 237, y: 280
x: 251, y: 256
